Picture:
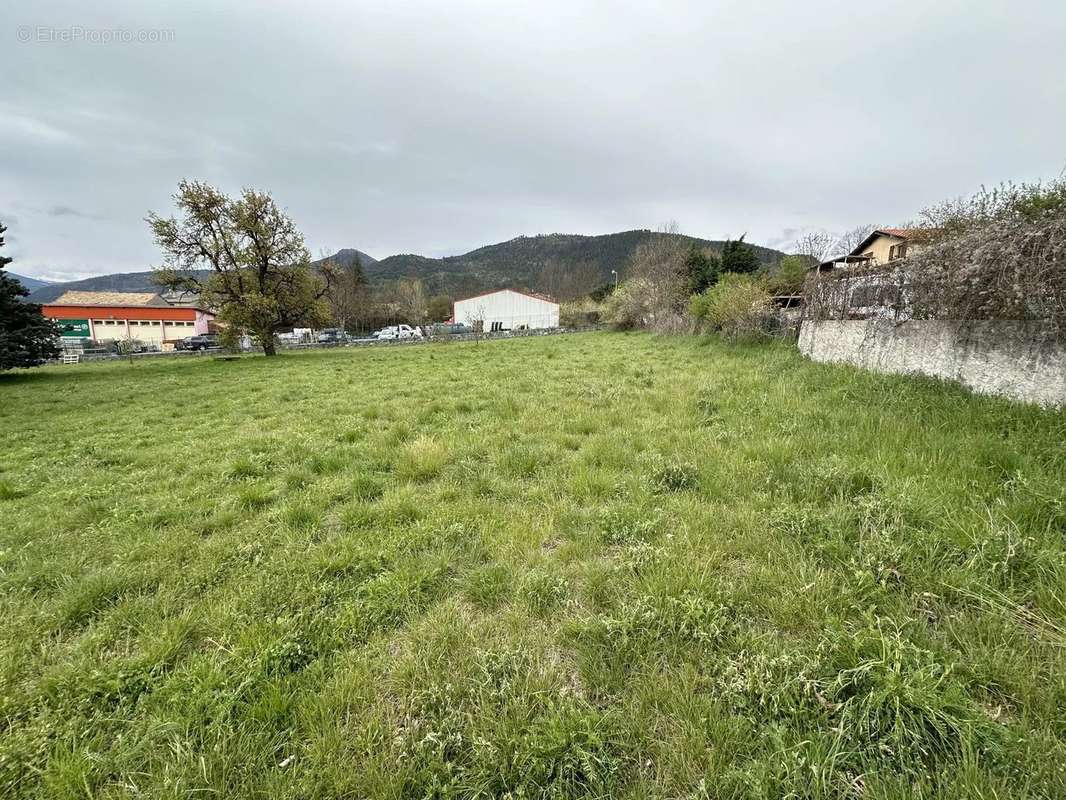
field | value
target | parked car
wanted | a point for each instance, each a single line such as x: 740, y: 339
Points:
x: 448, y: 329
x: 331, y: 336
x: 398, y: 332
x: 201, y: 341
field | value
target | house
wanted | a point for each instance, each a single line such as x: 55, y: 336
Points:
x: 882, y: 246
x: 111, y: 316
x: 507, y: 310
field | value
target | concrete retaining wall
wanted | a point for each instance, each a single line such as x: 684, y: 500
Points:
x: 1013, y: 359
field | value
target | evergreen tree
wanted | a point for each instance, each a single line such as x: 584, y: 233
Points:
x: 738, y: 257
x: 701, y: 270
x: 27, y: 339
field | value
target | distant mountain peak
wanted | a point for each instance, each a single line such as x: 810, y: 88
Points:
x: 347, y: 255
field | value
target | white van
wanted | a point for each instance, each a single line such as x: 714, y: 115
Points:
x: 398, y: 332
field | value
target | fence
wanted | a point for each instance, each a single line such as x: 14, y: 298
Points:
x: 352, y: 342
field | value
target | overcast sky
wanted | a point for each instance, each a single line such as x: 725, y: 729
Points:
x: 437, y: 127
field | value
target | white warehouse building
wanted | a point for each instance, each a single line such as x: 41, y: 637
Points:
x: 507, y: 310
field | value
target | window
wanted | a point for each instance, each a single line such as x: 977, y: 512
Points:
x: 98, y: 322
x: 155, y: 322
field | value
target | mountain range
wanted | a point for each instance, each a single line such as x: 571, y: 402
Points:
x: 564, y: 265
x: 30, y: 284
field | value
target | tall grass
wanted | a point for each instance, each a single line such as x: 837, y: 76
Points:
x: 601, y: 565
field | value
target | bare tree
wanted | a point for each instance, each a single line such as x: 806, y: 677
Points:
x: 815, y: 246
x: 411, y: 300
x: 851, y: 239
x: 821, y: 245
x: 568, y: 283
x: 658, y: 276
x: 349, y: 297
x: 475, y: 320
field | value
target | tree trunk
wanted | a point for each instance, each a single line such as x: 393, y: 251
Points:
x: 269, y: 348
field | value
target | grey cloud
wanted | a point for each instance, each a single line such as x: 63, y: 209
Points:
x: 67, y: 211
x: 425, y: 127
x: 787, y: 236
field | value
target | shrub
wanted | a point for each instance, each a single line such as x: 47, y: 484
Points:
x: 736, y: 306
x: 790, y: 275
x: 580, y: 313
x: 629, y: 306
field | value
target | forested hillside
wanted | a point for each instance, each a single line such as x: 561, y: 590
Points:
x: 563, y: 265
x: 559, y: 264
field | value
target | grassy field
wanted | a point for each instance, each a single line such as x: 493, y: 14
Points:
x: 599, y: 565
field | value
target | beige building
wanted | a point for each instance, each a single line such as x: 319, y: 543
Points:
x: 882, y: 246
x: 115, y: 316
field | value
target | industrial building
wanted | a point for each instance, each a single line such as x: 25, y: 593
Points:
x: 140, y: 316
x: 507, y: 310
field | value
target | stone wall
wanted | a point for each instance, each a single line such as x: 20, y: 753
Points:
x: 1018, y: 360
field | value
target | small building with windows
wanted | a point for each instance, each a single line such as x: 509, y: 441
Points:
x: 507, y: 310
x: 882, y: 246
x: 115, y: 316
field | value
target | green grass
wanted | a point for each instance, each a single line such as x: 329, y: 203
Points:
x: 599, y: 565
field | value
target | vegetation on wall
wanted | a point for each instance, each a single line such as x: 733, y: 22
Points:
x: 997, y: 255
